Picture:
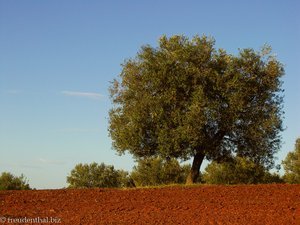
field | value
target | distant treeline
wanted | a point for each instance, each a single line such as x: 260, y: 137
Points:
x: 156, y: 171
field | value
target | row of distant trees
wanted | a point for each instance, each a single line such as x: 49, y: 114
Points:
x: 157, y: 171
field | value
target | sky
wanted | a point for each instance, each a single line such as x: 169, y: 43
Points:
x: 57, y: 59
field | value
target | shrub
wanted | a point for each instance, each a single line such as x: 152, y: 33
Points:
x: 238, y: 171
x: 291, y: 165
x: 10, y: 182
x: 270, y: 178
x: 97, y: 175
x: 156, y: 171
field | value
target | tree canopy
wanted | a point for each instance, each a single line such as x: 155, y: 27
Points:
x: 186, y: 99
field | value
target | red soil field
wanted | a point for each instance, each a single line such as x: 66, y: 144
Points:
x: 244, y: 204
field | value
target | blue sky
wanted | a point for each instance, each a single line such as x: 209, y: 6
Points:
x: 58, y: 57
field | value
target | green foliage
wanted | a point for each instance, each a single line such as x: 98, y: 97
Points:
x: 156, y: 171
x: 185, y: 97
x: 272, y: 178
x: 97, y: 175
x: 10, y: 182
x: 291, y: 165
x: 238, y: 171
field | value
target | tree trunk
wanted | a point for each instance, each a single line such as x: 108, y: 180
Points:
x: 194, y: 173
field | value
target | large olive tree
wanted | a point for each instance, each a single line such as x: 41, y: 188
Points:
x: 186, y: 99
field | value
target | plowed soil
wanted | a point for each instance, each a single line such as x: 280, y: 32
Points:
x: 245, y: 204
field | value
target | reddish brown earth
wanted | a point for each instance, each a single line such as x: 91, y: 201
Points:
x: 246, y: 204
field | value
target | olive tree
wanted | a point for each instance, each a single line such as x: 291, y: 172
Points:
x: 186, y: 99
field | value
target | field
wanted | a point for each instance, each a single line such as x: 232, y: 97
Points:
x: 245, y: 204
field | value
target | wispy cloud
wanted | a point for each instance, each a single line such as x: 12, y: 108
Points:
x: 78, y: 130
x: 37, y: 163
x: 92, y: 95
x: 51, y: 162
x: 22, y: 164
x: 12, y: 92
x: 29, y: 166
